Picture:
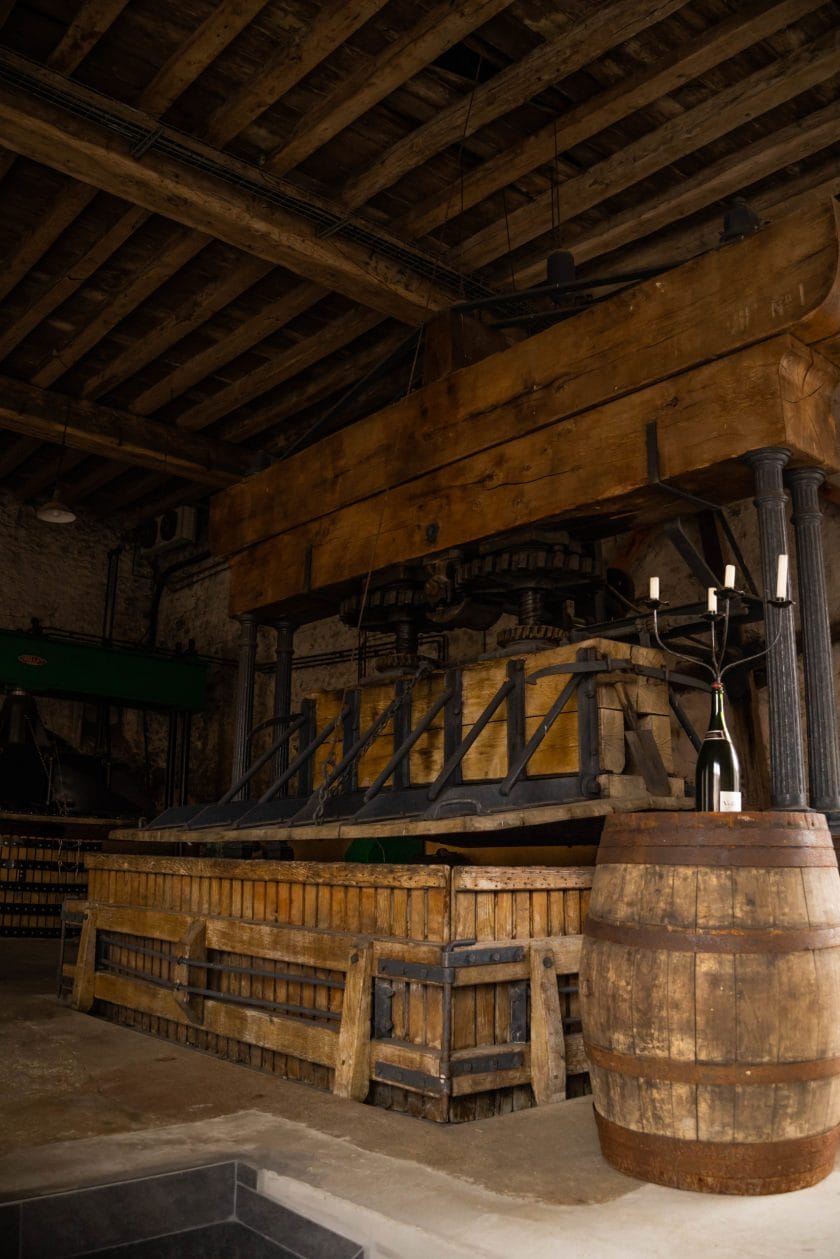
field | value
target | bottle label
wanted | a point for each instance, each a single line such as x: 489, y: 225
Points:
x: 730, y: 802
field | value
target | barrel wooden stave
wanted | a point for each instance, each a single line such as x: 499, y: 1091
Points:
x: 698, y: 1039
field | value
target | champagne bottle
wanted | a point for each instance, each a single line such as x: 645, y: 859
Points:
x: 717, y: 784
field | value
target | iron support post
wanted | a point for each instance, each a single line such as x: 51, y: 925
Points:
x: 244, y: 704
x: 284, y: 654
x: 820, y: 693
x: 787, y: 772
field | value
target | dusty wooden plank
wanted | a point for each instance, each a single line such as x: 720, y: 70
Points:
x: 81, y: 148
x: 303, y: 946
x: 595, y: 464
x: 85, y: 975
x: 759, y: 92
x: 583, y: 41
x: 604, y: 354
x: 105, y: 431
x: 548, y: 1045
x: 576, y: 125
x: 352, y: 1062
x: 412, y: 49
x: 275, y: 1032
x: 192, y: 948
x: 505, y: 878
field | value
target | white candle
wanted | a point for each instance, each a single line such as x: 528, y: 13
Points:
x: 711, y: 602
x: 729, y: 577
x: 654, y: 588
x: 781, y: 577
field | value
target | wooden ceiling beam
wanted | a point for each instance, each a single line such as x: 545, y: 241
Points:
x: 578, y: 44
x: 141, y: 286
x: 82, y: 35
x: 81, y: 269
x: 725, y: 178
x: 16, y: 452
x: 291, y: 61
x: 577, y: 125
x: 105, y: 431
x: 93, y: 151
x: 281, y: 367
x: 190, y: 314
x: 332, y: 378
x: 185, y: 65
x: 197, y: 52
x: 447, y: 24
x: 721, y: 114
x: 44, y: 477
x: 249, y: 333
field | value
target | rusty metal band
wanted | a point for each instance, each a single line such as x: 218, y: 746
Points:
x: 742, y: 1167
x: 704, y: 856
x: 674, y: 1071
x: 680, y: 834
x: 714, y: 940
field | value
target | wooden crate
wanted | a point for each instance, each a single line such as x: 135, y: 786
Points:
x: 445, y: 993
x: 561, y: 751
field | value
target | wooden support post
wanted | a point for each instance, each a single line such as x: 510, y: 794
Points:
x: 191, y: 948
x: 85, y: 976
x: 352, y: 1066
x: 548, y: 1043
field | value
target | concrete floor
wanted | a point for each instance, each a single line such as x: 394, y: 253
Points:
x: 83, y: 1102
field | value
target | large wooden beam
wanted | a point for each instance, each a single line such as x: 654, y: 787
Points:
x: 579, y: 43
x: 594, y: 466
x: 724, y: 40
x: 437, y: 30
x: 711, y: 306
x: 116, y: 434
x: 722, y: 113
x: 207, y: 200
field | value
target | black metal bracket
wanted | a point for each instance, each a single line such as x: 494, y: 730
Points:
x: 420, y: 1080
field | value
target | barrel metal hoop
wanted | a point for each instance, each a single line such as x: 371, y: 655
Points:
x: 678, y: 1071
x: 714, y: 940
x: 742, y: 1167
x: 713, y: 855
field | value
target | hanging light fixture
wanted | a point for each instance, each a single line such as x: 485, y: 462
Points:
x: 54, y: 511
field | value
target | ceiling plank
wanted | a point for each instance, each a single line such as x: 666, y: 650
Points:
x: 96, y: 153
x: 190, y: 314
x: 84, y: 32
x: 578, y: 44
x: 722, y: 113
x: 336, y: 21
x: 99, y: 430
x: 197, y: 52
x: 45, y: 475
x: 15, y: 453
x: 282, y: 366
x: 331, y: 378
x: 248, y: 334
x: 144, y: 282
x: 580, y: 123
x: 185, y: 65
x: 729, y: 176
x: 447, y: 24
x: 66, y: 285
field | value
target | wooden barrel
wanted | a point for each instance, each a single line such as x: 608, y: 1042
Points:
x: 710, y: 999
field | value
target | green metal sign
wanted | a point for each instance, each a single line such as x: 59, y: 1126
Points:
x: 63, y: 667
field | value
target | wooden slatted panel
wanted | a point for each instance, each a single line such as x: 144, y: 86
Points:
x: 382, y: 900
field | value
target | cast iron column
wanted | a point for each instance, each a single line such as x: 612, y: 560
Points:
x: 820, y: 694
x: 243, y: 716
x: 787, y: 773
x: 285, y: 635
